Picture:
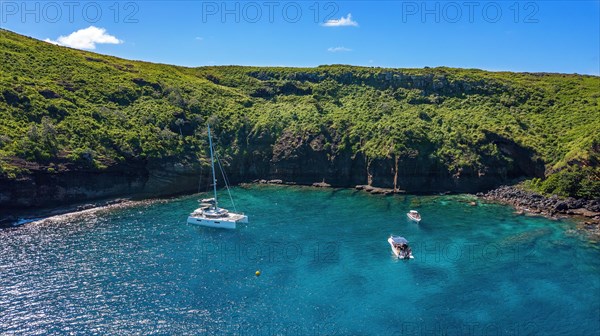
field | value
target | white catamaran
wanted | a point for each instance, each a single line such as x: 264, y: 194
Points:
x: 209, y: 214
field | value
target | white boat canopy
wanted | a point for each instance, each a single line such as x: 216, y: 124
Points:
x: 399, y: 240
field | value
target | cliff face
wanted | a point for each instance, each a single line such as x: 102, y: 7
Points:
x: 308, y: 159
x: 303, y: 159
x: 44, y: 189
x: 78, y: 126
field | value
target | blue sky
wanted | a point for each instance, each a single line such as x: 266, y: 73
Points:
x: 548, y: 36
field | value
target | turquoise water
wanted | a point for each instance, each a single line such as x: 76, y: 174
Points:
x: 326, y: 269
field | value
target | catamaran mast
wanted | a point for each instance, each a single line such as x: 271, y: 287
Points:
x: 212, y: 162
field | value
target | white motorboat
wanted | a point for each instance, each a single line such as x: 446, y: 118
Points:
x: 400, y: 247
x: 209, y: 214
x: 414, y: 215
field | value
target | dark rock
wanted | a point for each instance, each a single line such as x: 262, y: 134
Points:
x: 576, y: 203
x: 379, y: 191
x: 547, y: 206
x: 142, y: 180
x: 321, y: 185
x: 7, y: 221
x: 561, y: 206
x: 116, y: 201
x: 593, y: 205
x: 85, y: 207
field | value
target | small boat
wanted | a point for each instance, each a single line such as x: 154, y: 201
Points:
x: 207, y: 201
x: 400, y: 247
x: 414, y: 215
x: 209, y: 214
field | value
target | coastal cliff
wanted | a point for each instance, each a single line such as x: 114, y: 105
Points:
x: 77, y: 126
x: 302, y: 160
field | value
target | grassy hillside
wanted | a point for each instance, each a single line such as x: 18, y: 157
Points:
x: 68, y: 109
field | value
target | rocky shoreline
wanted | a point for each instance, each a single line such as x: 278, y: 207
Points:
x: 587, y: 212
x: 27, y: 216
x: 366, y: 188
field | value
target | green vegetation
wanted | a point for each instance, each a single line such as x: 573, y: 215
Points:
x: 582, y: 182
x: 65, y: 106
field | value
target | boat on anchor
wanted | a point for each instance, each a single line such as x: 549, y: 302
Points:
x: 400, y: 247
x: 414, y: 215
x: 209, y: 214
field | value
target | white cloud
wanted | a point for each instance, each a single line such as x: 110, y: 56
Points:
x: 341, y: 22
x: 338, y: 49
x: 199, y: 38
x: 51, y: 41
x: 86, y: 38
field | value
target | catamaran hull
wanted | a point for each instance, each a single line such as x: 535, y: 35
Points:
x: 223, y: 223
x: 209, y: 214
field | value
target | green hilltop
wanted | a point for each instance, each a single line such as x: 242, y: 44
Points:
x: 61, y: 107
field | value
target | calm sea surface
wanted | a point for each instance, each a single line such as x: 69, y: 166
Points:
x: 326, y: 269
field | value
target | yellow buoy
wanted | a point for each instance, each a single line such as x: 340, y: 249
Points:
x: 257, y: 273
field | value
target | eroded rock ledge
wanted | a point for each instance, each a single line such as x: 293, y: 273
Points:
x: 588, y: 211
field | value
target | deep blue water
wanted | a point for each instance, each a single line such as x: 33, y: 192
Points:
x: 326, y: 269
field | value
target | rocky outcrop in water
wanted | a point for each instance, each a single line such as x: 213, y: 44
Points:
x: 548, y: 206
